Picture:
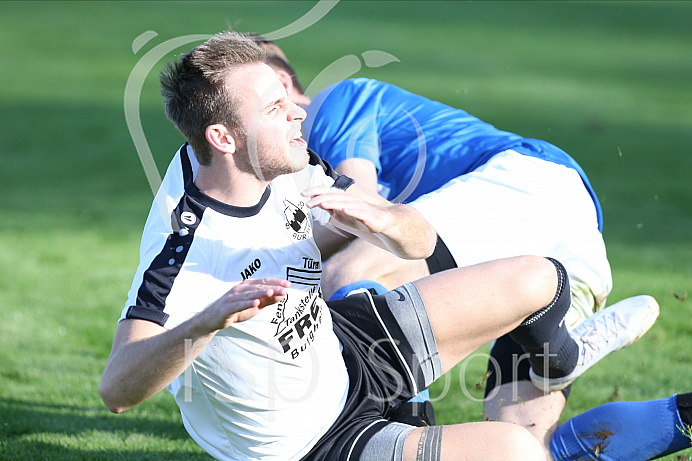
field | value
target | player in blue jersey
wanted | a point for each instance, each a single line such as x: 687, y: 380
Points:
x: 226, y: 310
x: 488, y: 193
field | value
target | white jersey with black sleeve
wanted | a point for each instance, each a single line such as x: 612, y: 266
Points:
x: 270, y: 387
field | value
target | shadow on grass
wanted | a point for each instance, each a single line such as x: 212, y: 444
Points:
x: 52, y: 452
x: 44, y: 451
x: 37, y: 430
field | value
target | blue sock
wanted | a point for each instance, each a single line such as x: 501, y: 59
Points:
x: 423, y: 396
x: 632, y: 431
x: 342, y: 292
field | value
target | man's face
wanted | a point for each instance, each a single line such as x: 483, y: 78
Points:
x: 273, y: 143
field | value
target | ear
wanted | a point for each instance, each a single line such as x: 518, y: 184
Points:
x: 295, y: 96
x: 221, y: 138
x: 285, y: 79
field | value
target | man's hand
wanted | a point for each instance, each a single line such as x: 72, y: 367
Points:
x: 400, y: 229
x: 244, y: 301
x: 129, y: 377
x: 350, y: 211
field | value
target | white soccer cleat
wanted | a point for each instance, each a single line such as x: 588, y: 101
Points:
x: 608, y: 330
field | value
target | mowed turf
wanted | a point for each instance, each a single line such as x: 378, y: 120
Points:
x: 609, y: 82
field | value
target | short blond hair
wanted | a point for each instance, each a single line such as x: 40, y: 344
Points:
x: 194, y: 88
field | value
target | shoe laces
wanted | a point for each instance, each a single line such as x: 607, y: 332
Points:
x: 600, y: 332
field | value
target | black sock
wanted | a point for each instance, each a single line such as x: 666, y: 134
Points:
x: 545, y: 333
x: 685, y: 407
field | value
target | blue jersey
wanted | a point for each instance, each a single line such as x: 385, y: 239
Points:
x: 416, y: 144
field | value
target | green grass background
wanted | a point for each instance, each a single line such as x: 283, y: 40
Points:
x: 609, y: 82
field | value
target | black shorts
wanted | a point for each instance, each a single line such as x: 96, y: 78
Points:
x: 387, y: 365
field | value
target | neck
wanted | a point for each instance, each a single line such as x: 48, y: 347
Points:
x: 229, y: 185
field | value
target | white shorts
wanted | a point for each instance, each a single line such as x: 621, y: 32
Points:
x: 521, y: 205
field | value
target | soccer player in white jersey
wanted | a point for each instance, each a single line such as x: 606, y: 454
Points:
x: 226, y: 310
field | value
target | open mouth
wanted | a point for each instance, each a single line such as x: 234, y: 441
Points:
x: 298, y: 140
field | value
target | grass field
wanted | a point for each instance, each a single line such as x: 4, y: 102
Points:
x: 609, y: 82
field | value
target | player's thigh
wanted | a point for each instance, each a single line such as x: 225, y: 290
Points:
x: 482, y: 441
x: 361, y: 260
x: 470, y: 306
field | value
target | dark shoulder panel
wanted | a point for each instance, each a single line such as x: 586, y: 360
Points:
x: 340, y: 181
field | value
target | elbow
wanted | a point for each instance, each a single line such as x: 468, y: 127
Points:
x: 429, y: 238
x: 432, y: 242
x: 425, y: 238
x: 116, y: 410
x: 111, y: 401
x: 428, y: 243
x: 113, y: 407
x: 423, y: 250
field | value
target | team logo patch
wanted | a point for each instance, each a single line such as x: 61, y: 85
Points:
x: 188, y: 218
x: 297, y: 219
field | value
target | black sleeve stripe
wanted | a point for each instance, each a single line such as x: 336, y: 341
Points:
x: 340, y: 181
x: 316, y: 160
x: 158, y: 279
x: 343, y: 182
x: 145, y: 313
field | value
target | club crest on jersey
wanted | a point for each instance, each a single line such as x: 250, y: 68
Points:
x: 297, y: 220
x: 188, y: 218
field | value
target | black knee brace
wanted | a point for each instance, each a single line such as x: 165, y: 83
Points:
x: 544, y: 333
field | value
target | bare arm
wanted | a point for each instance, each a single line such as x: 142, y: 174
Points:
x: 399, y: 229
x: 146, y: 357
x: 362, y: 171
x: 329, y: 238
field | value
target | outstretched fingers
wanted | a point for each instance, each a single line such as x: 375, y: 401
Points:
x: 264, y: 292
x: 275, y: 284
x: 347, y: 209
x: 245, y: 300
